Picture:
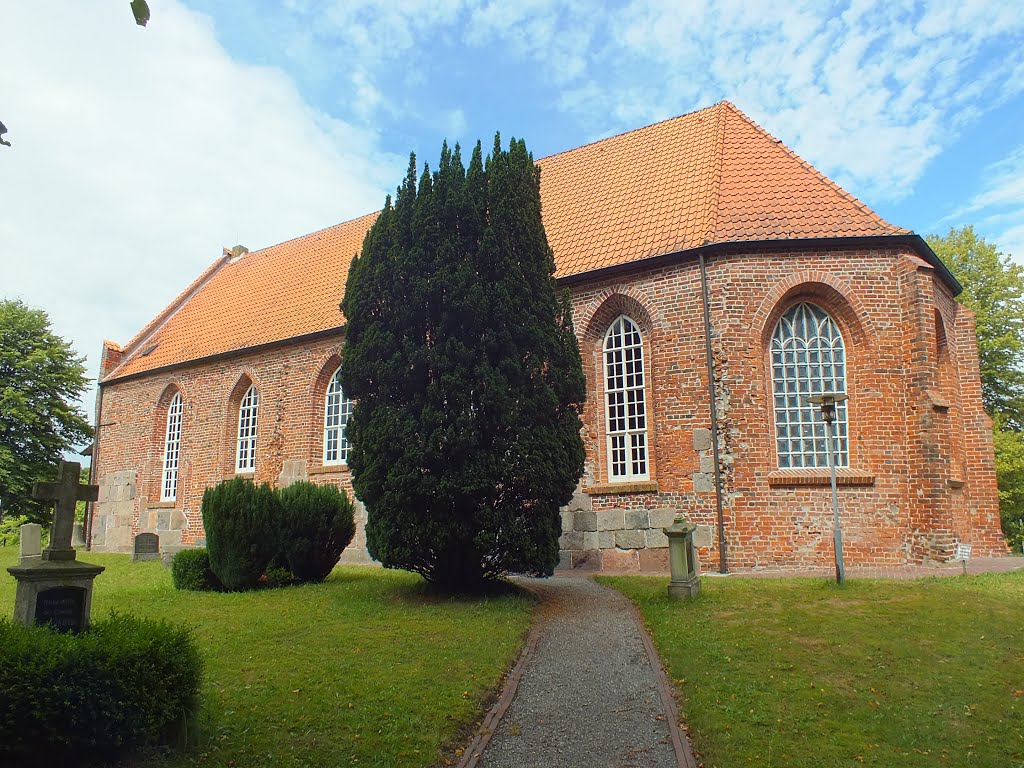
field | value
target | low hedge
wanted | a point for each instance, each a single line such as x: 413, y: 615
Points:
x: 240, y: 519
x: 190, y: 570
x: 77, y: 699
x: 317, y: 522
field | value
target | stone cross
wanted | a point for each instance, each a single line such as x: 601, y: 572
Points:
x: 66, y: 492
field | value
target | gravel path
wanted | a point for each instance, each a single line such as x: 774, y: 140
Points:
x: 588, y: 695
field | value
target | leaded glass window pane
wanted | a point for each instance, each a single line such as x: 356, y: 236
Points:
x: 172, y: 450
x: 625, y: 403
x: 337, y: 410
x: 808, y: 358
x: 246, y: 455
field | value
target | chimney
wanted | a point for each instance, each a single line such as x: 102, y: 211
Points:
x: 236, y: 253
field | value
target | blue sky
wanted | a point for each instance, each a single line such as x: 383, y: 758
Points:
x: 139, y: 153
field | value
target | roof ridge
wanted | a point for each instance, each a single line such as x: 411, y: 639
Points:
x: 173, y: 306
x: 711, y: 224
x: 814, y: 171
x: 632, y: 130
x: 178, y: 302
x: 314, y: 232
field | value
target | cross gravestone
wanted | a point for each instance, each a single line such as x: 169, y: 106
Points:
x: 67, y: 493
x: 146, y: 546
x: 57, y: 590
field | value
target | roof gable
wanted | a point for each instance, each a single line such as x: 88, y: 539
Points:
x: 711, y: 176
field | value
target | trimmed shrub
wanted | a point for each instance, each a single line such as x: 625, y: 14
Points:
x: 190, y: 570
x: 240, y: 519
x: 72, y: 699
x: 317, y: 523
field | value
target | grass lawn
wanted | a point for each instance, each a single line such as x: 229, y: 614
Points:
x: 883, y: 673
x: 365, y: 669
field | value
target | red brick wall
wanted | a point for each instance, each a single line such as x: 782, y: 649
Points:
x: 898, y: 501
x: 291, y: 381
x: 921, y: 471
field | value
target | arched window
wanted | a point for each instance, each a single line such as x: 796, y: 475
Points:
x: 245, y: 456
x: 625, y: 405
x: 808, y: 357
x: 337, y: 409
x: 172, y: 450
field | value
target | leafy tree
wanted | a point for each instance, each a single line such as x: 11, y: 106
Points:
x: 466, y: 375
x: 40, y: 380
x: 994, y: 289
x: 1010, y: 474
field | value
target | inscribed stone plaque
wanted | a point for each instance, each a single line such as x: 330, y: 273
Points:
x: 146, y: 547
x: 31, y: 547
x: 62, y: 608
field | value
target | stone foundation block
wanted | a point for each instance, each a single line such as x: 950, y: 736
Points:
x: 169, y: 539
x: 703, y: 483
x: 707, y: 464
x: 605, y: 539
x: 591, y: 540
x: 585, y: 521
x: 620, y: 560
x: 654, y: 560
x: 567, y: 520
x: 630, y: 539
x: 610, y: 520
x: 571, y: 540
x: 587, y: 560
x: 564, y: 560
x: 356, y: 556
x: 662, y: 518
x: 655, y: 538
x: 704, y: 536
x: 580, y: 502
x: 702, y: 439
x: 637, y: 519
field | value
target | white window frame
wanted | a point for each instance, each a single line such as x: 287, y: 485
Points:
x: 248, y: 411
x: 625, y: 402
x: 172, y: 450
x: 337, y: 411
x: 808, y: 357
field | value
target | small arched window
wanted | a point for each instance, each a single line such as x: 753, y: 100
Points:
x: 808, y: 357
x: 245, y: 455
x: 337, y: 410
x: 172, y: 450
x: 625, y: 403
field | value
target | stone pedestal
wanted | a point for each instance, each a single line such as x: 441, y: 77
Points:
x: 683, y: 561
x: 55, y: 592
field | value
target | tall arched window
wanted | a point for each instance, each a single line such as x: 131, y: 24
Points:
x: 625, y: 405
x: 172, y: 450
x: 808, y: 357
x: 337, y: 409
x: 245, y: 456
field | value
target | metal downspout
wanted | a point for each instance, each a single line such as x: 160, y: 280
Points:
x: 723, y: 566
x: 91, y: 506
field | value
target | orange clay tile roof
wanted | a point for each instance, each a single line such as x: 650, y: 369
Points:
x: 711, y: 176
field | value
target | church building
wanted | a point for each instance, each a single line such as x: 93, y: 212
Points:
x: 718, y: 282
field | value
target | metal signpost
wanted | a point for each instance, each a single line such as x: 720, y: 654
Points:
x: 827, y: 401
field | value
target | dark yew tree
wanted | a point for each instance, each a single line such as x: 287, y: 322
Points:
x: 466, y: 375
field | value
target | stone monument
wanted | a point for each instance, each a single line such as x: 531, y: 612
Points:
x: 683, y: 560
x: 30, y: 548
x: 57, y: 590
x: 145, y: 546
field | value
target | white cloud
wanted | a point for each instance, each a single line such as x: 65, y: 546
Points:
x: 998, y: 209
x: 138, y: 153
